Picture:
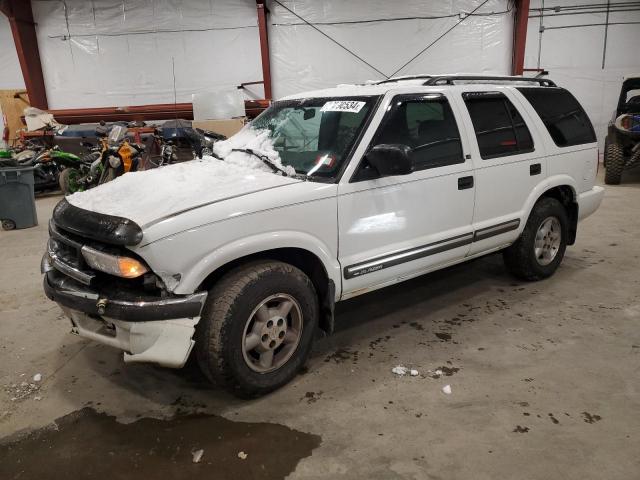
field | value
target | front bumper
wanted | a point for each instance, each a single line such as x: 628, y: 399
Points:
x: 156, y: 331
x: 133, y: 308
x: 589, y: 201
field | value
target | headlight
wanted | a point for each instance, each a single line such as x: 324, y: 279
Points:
x: 114, y: 161
x: 125, y: 267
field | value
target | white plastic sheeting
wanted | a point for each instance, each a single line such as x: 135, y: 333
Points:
x: 303, y: 59
x: 573, y: 56
x: 10, y: 73
x: 119, y: 52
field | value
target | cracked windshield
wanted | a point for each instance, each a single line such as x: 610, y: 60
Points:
x: 316, y: 135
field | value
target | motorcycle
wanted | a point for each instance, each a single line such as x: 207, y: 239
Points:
x: 45, y: 167
x: 118, y: 156
x: 81, y: 173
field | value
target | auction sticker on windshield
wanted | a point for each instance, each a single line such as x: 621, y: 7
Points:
x: 352, y: 106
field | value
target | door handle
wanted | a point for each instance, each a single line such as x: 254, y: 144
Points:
x: 465, y: 182
x: 535, y: 169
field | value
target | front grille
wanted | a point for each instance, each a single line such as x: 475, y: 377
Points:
x: 65, y: 255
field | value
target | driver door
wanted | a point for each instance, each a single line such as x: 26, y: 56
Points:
x: 396, y: 227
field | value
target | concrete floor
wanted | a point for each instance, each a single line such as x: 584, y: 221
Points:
x: 545, y: 379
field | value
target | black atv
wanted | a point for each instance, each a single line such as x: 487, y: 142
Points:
x: 622, y: 145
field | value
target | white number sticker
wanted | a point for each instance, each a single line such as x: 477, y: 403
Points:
x: 342, y: 106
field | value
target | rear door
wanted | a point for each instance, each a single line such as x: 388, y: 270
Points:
x: 509, y: 161
x: 396, y: 227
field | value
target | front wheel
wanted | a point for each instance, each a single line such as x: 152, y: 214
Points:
x: 257, y: 327
x: 69, y: 181
x: 541, y: 246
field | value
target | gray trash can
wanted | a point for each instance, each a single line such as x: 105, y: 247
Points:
x: 17, y: 199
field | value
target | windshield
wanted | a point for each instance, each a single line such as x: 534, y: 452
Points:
x: 315, y: 135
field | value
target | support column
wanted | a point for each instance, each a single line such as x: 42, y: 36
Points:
x: 264, y: 47
x: 520, y: 35
x: 23, y: 29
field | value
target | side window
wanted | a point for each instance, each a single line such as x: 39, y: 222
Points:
x: 566, y: 121
x: 427, y: 125
x: 499, y: 127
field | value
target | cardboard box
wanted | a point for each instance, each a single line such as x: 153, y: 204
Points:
x: 224, y: 127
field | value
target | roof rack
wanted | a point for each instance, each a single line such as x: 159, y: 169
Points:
x: 406, y: 77
x: 449, y: 79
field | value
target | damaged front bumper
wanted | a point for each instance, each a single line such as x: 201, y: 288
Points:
x: 157, y: 330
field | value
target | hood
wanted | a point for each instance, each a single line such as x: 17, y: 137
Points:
x: 152, y: 195
x: 149, y: 196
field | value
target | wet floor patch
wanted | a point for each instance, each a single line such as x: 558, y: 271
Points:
x: 88, y: 444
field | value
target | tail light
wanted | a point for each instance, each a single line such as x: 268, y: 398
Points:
x: 5, y: 134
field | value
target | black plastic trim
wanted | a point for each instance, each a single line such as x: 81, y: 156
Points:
x: 96, y: 226
x: 494, y: 230
x: 403, y: 256
x: 392, y: 259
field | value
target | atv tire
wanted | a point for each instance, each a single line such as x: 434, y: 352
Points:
x: 614, y: 161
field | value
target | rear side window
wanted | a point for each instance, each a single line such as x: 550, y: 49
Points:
x: 499, y: 127
x: 566, y: 121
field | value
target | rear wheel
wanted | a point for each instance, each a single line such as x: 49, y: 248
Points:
x: 541, y: 246
x: 614, y: 161
x: 257, y: 327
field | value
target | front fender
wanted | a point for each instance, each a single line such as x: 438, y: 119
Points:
x: 194, y: 276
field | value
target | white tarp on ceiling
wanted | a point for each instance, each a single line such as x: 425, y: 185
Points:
x: 386, y: 35
x: 119, y: 52
x: 573, y: 53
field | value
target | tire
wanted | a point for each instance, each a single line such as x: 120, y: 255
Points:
x: 8, y: 224
x: 614, y: 161
x: 521, y: 258
x: 68, y: 180
x: 229, y: 317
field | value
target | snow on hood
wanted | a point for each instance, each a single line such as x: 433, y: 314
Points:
x: 149, y: 195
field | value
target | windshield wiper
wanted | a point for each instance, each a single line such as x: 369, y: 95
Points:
x: 266, y: 160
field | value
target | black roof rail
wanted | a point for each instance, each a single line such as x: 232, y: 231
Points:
x: 449, y: 79
x: 399, y: 79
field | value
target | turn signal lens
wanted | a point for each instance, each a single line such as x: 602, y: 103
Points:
x: 130, y: 267
x: 125, y: 267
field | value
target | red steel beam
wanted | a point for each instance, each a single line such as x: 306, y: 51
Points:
x: 23, y: 29
x: 520, y: 35
x: 264, y: 47
x: 163, y: 111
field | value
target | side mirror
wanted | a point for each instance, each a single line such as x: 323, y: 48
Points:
x: 390, y: 159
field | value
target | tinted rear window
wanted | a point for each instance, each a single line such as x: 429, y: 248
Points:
x: 566, y: 121
x: 499, y: 127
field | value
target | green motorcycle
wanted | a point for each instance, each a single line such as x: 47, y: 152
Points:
x: 79, y: 173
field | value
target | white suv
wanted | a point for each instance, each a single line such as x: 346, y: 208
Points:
x: 325, y: 196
